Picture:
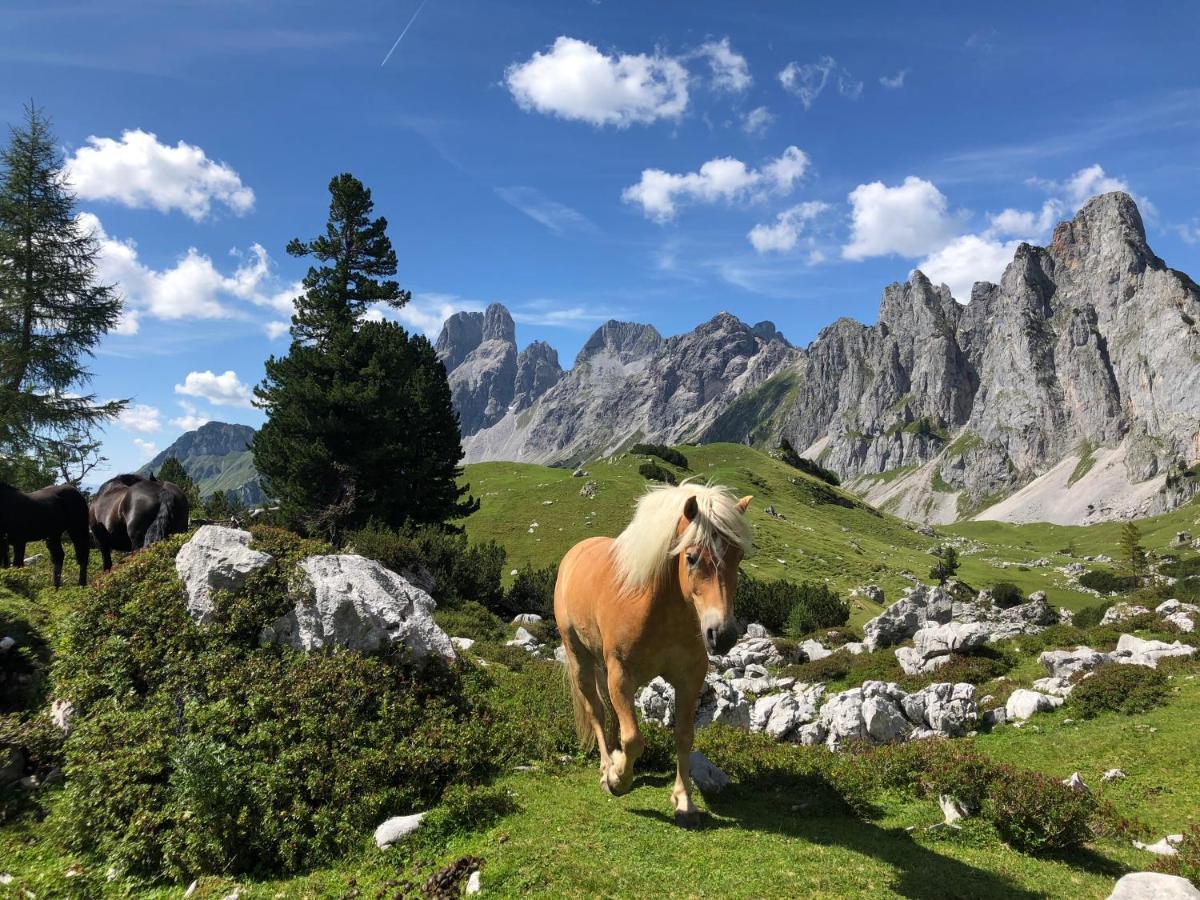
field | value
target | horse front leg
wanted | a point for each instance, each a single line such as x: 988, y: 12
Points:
x: 54, y: 545
x: 621, y: 688
x: 687, y: 691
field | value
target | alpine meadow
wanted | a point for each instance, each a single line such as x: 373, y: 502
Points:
x: 599, y: 450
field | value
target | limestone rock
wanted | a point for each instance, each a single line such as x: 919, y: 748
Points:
x: 216, y: 558
x: 706, y: 775
x: 1023, y: 703
x: 1136, y: 651
x: 1153, y: 886
x: 920, y: 606
x: 1065, y: 663
x: 396, y: 829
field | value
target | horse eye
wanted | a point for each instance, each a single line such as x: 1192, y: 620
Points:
x: 693, y: 559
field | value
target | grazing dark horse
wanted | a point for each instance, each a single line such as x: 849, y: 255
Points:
x: 43, y: 516
x: 130, y: 512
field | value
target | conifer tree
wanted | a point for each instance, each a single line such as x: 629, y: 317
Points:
x: 1133, y: 554
x: 172, y: 470
x: 53, y: 311
x: 360, y: 425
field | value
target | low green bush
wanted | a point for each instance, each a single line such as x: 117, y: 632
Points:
x: 788, y: 454
x: 464, y: 809
x: 532, y: 591
x: 652, y: 471
x: 1090, y: 616
x: 471, y: 620
x: 1186, y: 861
x: 1123, y: 689
x: 662, y: 451
x: 1108, y: 583
x: 1006, y: 595
x: 460, y: 571
x: 1181, y: 568
x: 196, y: 750
x: 976, y: 668
x: 1036, y: 813
x: 815, y: 606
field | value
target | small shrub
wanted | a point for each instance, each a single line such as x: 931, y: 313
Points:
x: 471, y: 620
x: 652, y: 471
x: 1186, y: 861
x: 815, y: 606
x: 534, y: 706
x: 1036, y: 813
x: 765, y: 602
x: 1124, y: 689
x: 1181, y: 568
x: 1006, y: 595
x: 977, y: 668
x: 662, y: 451
x: 1090, y: 616
x: 788, y: 454
x: 532, y: 591
x: 1107, y: 582
x: 838, y: 636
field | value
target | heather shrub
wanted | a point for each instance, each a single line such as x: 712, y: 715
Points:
x: 1036, y: 813
x: 465, y: 808
x: 1107, y: 582
x: 652, y: 471
x: 1006, y: 594
x: 230, y: 757
x: 1090, y: 616
x: 532, y: 591
x: 662, y: 451
x: 1123, y: 689
x: 471, y: 620
x: 815, y: 606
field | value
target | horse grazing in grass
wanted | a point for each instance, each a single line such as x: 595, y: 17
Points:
x: 654, y: 601
x: 130, y: 512
x: 43, y: 516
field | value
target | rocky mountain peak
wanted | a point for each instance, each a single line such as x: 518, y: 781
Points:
x: 768, y: 332
x: 498, y: 324
x: 461, y: 333
x: 625, y: 341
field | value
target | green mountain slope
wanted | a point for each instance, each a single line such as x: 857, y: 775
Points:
x: 217, y: 457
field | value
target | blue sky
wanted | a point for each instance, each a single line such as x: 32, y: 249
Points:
x: 577, y: 161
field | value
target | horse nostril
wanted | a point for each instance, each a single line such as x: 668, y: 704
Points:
x: 710, y: 636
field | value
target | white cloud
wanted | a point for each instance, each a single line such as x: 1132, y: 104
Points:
x: 966, y: 260
x: 276, y: 329
x: 757, y: 121
x: 808, y: 81
x: 724, y: 179
x: 730, y: 71
x: 1083, y: 185
x: 148, y: 449
x: 191, y: 418
x: 140, y: 417
x: 426, y: 312
x: 139, y: 172
x: 1024, y: 223
x: 219, y: 390
x: 784, y: 233
x: 558, y: 217
x: 894, y: 82
x: 192, y: 287
x: 1190, y: 232
x: 544, y: 312
x: 910, y: 219
x: 575, y: 80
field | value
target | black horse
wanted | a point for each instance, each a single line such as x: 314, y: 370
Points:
x: 43, y: 516
x: 130, y: 512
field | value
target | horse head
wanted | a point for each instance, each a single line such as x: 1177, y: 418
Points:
x: 708, y: 576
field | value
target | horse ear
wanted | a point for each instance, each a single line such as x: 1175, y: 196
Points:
x: 743, y: 503
x: 690, y: 509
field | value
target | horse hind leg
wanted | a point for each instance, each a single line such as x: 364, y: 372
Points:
x: 589, y: 703
x: 82, y: 554
x: 54, y: 545
x: 621, y: 687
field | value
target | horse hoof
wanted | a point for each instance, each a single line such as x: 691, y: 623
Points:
x: 688, y: 820
x: 614, y: 790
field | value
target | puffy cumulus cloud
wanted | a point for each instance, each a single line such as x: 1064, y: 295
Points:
x: 808, y: 81
x: 219, y: 390
x: 967, y: 259
x: 730, y: 71
x: 147, y: 449
x: 140, y: 417
x: 785, y: 232
x: 1024, y: 223
x: 910, y: 219
x: 276, y: 329
x: 724, y: 179
x: 426, y: 312
x: 193, y: 287
x: 575, y: 80
x: 190, y: 419
x: 756, y: 122
x: 894, y: 82
x: 139, y: 172
x: 1083, y: 185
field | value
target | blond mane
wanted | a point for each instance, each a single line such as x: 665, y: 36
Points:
x: 644, y: 550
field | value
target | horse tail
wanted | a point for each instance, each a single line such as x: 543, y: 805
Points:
x: 583, y: 718
x: 160, y: 528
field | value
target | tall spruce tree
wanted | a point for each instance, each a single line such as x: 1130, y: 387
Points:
x: 53, y: 311
x: 172, y: 470
x: 1133, y: 554
x: 360, y: 425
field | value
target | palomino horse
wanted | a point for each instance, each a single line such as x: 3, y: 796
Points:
x: 654, y: 601
x: 43, y: 516
x: 130, y: 512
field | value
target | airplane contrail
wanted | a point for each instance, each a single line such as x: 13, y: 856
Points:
x: 403, y: 33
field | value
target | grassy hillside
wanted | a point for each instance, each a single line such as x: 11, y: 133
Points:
x: 824, y: 534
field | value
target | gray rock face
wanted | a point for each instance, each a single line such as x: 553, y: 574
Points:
x: 1135, y: 651
x: 350, y: 602
x: 479, y: 351
x: 215, y: 559
x: 537, y: 371
x: 1065, y: 663
x: 905, y: 617
x: 719, y: 702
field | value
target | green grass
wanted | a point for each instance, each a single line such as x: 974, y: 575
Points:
x: 1087, y: 459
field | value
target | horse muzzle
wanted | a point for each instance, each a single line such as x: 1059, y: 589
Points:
x: 719, y: 635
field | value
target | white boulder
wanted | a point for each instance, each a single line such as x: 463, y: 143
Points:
x: 61, y: 714
x: 1024, y: 703
x: 1165, y: 847
x: 949, y: 637
x: 397, y: 829
x: 1153, y: 886
x: 1182, y: 615
x: 1119, y: 612
x: 1135, y: 651
x: 349, y: 602
x: 814, y: 650
x: 901, y: 620
x: 719, y: 702
x: 216, y: 558
x: 706, y: 775
x: 1065, y: 663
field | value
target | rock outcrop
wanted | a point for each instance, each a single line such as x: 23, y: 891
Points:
x: 215, y: 559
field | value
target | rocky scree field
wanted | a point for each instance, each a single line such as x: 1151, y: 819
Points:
x: 246, y: 739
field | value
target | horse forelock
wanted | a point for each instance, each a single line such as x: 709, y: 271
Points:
x: 643, y: 552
